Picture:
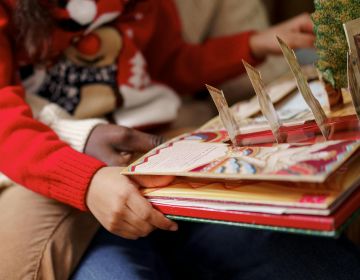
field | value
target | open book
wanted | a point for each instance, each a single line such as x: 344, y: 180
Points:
x: 309, y: 188
x: 306, y: 185
x: 205, y: 155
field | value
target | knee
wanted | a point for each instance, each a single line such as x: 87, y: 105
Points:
x: 40, y: 238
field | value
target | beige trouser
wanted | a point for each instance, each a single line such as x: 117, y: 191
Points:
x: 39, y: 237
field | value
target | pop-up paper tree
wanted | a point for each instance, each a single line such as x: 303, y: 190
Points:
x: 331, y: 43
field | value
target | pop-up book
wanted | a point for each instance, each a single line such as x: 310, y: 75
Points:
x: 295, y: 168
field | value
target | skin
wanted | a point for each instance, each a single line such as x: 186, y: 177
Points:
x: 115, y: 199
x: 114, y: 144
x: 296, y: 32
x: 121, y: 208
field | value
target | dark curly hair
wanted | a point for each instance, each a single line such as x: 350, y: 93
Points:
x: 34, y: 23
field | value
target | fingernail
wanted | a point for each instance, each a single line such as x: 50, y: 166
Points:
x: 174, y: 227
x: 158, y: 140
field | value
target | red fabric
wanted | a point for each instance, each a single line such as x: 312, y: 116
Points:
x: 183, y: 66
x: 89, y: 45
x: 32, y: 155
x: 188, y: 67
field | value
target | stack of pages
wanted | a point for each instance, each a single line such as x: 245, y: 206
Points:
x: 309, y: 186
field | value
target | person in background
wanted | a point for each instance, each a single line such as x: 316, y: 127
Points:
x: 201, y: 20
x: 63, y: 64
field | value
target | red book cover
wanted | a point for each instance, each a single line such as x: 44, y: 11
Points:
x: 309, y: 222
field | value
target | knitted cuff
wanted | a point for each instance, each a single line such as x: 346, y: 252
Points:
x: 71, y: 177
x: 72, y: 131
x: 5, y: 181
x: 75, y: 132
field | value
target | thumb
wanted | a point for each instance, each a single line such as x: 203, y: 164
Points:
x: 305, y: 23
x: 109, y: 155
x: 119, y: 159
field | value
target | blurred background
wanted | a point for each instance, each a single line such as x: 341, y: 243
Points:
x: 204, y: 19
x: 279, y: 10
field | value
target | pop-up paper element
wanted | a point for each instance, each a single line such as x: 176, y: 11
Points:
x: 226, y: 115
x: 267, y: 107
x: 304, y: 88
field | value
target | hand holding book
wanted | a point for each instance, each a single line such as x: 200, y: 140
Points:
x: 121, y: 208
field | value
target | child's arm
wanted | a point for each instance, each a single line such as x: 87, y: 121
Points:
x: 297, y: 32
x: 72, y: 131
x: 30, y: 153
x: 187, y: 67
x: 112, y: 144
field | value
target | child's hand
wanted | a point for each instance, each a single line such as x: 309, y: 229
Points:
x: 119, y: 206
x: 296, y: 32
x: 114, y: 144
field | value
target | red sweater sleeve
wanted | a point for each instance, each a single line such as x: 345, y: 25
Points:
x: 31, y: 154
x: 187, y: 67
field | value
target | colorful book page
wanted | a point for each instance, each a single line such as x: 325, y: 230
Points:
x: 203, y: 155
x: 262, y: 197
x: 330, y: 226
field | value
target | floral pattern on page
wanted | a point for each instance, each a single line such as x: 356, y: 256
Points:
x: 205, y: 154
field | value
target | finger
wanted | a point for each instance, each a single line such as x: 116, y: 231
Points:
x: 144, y: 210
x: 302, y: 23
x: 122, y: 227
x: 160, y: 221
x: 120, y: 159
x: 109, y: 156
x: 127, y: 235
x: 124, y: 157
x: 142, y: 226
x: 306, y: 24
x: 131, y: 140
x: 307, y: 27
x: 126, y: 230
x: 150, y: 181
x: 301, y: 40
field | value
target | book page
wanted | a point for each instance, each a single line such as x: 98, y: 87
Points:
x: 201, y: 155
x: 262, y: 196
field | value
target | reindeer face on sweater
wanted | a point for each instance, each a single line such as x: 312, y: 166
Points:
x: 97, y: 49
x: 84, y: 81
x: 102, y: 48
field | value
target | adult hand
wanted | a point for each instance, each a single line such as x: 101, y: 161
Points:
x: 118, y: 205
x: 296, y: 32
x: 114, y: 144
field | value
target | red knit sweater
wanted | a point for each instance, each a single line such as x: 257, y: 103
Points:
x: 32, y: 155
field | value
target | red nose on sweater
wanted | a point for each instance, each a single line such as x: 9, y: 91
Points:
x: 89, y: 45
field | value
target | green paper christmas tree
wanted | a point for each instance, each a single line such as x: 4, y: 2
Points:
x: 331, y: 44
